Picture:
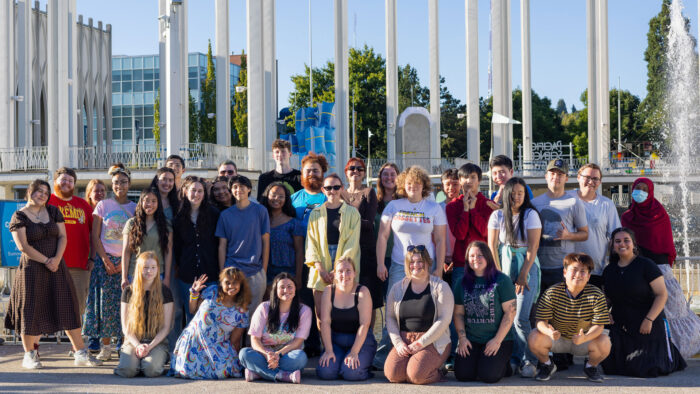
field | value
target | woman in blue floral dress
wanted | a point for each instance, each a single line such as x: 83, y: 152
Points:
x: 208, y: 347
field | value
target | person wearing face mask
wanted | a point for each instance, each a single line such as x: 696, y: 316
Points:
x: 650, y: 222
x: 637, y: 293
x: 77, y: 214
x: 602, y: 218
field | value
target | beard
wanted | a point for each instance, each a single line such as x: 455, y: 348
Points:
x: 59, y: 193
x: 312, y: 183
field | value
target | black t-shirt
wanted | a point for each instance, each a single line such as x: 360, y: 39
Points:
x: 167, y: 298
x: 292, y: 178
x: 333, y: 226
x: 417, y: 311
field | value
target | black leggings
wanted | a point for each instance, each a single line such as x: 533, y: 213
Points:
x: 488, y: 369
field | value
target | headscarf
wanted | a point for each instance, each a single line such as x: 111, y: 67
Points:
x: 650, y: 223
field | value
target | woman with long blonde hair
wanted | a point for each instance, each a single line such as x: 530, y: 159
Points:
x: 146, y: 312
x: 208, y: 348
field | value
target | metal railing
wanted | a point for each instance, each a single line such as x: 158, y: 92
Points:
x: 23, y: 159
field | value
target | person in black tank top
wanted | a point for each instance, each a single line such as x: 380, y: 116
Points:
x: 346, y: 313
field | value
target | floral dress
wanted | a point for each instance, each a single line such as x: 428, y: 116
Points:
x: 204, y: 350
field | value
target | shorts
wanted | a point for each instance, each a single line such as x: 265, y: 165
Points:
x: 565, y: 345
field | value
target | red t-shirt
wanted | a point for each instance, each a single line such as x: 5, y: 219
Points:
x: 77, y: 214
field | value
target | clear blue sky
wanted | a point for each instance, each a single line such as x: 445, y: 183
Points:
x: 558, y: 38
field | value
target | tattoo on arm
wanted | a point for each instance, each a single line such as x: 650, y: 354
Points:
x: 510, y: 306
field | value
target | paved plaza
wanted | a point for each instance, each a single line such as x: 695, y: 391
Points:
x: 59, y: 375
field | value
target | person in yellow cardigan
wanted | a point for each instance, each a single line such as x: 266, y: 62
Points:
x: 333, y: 232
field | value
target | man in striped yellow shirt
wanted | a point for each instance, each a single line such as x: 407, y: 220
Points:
x: 570, y: 319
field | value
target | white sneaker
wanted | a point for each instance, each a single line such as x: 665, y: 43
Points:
x: 31, y: 360
x: 528, y: 370
x: 82, y: 358
x: 105, y: 353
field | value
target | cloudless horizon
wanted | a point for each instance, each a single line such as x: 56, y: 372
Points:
x: 557, y: 37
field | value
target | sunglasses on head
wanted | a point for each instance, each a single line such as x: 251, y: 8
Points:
x: 334, y: 187
x: 417, y: 248
x: 356, y: 168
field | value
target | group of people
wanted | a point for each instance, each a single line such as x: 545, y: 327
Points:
x: 200, y: 275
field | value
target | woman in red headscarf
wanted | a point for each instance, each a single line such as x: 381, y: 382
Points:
x: 652, y: 227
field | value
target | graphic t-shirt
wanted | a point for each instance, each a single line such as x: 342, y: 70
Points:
x: 114, y: 217
x: 304, y: 203
x: 483, y: 308
x: 77, y: 214
x: 554, y: 211
x: 413, y: 224
x: 277, y: 340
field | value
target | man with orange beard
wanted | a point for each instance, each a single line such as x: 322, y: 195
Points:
x: 313, y: 168
x: 77, y: 214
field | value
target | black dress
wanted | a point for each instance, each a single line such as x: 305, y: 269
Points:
x: 631, y: 297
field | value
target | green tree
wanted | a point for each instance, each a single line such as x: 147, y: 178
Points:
x: 194, y: 121
x: 451, y: 125
x: 207, y: 125
x: 631, y: 127
x: 652, y: 112
x: 411, y: 92
x: 156, y: 119
x: 561, y: 107
x: 239, y: 115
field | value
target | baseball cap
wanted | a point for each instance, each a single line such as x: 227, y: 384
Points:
x: 558, y: 164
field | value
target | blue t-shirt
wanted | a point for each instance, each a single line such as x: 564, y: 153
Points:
x: 282, y: 252
x: 304, y: 203
x: 529, y: 192
x: 243, y: 229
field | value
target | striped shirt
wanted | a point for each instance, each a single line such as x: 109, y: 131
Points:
x: 569, y: 314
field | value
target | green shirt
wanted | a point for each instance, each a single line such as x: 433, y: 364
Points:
x: 150, y: 242
x: 483, y: 308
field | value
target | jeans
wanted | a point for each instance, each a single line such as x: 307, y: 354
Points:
x: 457, y: 275
x: 523, y: 306
x: 256, y: 362
x: 396, y: 274
x: 342, y: 344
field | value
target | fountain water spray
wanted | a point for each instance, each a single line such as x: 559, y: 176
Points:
x: 682, y: 110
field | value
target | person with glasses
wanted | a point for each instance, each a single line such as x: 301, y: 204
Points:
x: 108, y: 221
x: 602, y: 218
x: 414, y: 219
x: 364, y: 199
x: 333, y: 232
x: 228, y: 169
x: 419, y: 311
x: 571, y: 316
x: 283, y: 171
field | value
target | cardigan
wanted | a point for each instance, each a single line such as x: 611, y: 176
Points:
x: 317, y: 242
x: 439, y: 332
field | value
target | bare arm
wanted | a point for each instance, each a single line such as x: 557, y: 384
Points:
x: 506, y: 320
x: 326, y: 307
x: 660, y: 296
x: 365, y: 309
x: 235, y: 338
x: 382, y: 239
x: 128, y: 336
x: 20, y: 238
x: 295, y: 344
x: 96, y: 241
x: 62, y: 241
x: 493, y: 246
x: 165, y: 328
x: 223, y: 244
x: 299, y: 256
x: 168, y: 256
x: 126, y: 259
x: 265, y: 250
x: 440, y: 240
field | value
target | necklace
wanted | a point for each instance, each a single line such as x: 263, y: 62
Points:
x: 416, y: 206
x: 37, y: 215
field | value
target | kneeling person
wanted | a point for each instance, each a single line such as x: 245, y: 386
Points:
x: 570, y: 319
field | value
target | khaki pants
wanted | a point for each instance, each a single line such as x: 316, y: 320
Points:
x: 81, y: 281
x: 152, y: 365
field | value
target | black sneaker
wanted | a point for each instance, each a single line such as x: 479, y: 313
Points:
x: 593, y: 374
x: 561, y: 360
x: 545, y: 371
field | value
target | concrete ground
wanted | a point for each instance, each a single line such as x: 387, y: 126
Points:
x: 59, y: 375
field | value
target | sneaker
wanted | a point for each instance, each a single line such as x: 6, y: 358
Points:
x: 528, y: 370
x: 289, y: 377
x: 105, y: 353
x: 250, y: 375
x: 593, y: 374
x: 94, y: 345
x: 546, y: 371
x: 82, y: 358
x: 450, y: 365
x: 561, y: 360
x: 31, y: 360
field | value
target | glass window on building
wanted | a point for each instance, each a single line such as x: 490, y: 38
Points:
x: 116, y: 75
x: 116, y: 63
x: 147, y: 86
x: 138, y: 75
x: 116, y: 87
x: 126, y: 63
x: 126, y: 87
x: 126, y: 75
x: 148, y: 62
x: 138, y: 62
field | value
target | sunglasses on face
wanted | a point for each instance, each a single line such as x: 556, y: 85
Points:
x: 417, y: 248
x: 356, y: 168
x: 334, y: 187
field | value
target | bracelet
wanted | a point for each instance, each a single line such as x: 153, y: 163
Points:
x: 194, y: 297
x: 192, y: 291
x: 47, y: 260
x: 648, y: 319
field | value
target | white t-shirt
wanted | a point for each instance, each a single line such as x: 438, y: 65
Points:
x: 554, y: 211
x: 412, y: 224
x: 497, y: 222
x: 602, y: 218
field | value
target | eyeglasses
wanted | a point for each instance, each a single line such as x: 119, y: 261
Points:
x: 417, y: 248
x: 227, y: 172
x: 591, y: 178
x: 334, y: 187
x: 356, y: 168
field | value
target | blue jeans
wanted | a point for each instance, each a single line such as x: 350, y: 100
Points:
x: 524, y: 303
x: 457, y: 275
x: 342, y: 344
x: 256, y: 362
x: 396, y: 274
